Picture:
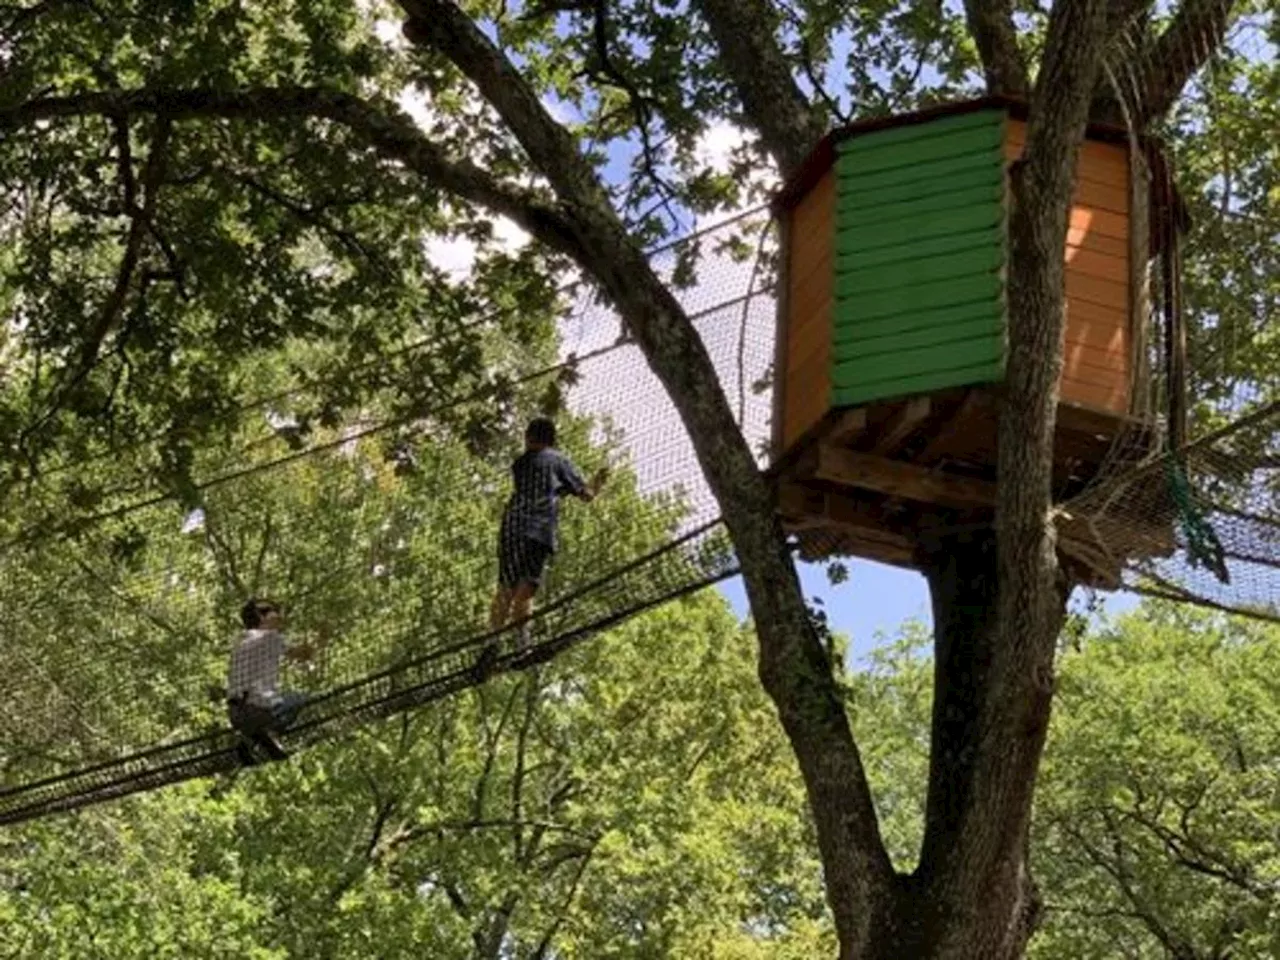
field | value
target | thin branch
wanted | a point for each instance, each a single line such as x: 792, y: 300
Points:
x: 542, y: 951
x: 641, y: 105
x: 991, y: 24
x: 313, y: 216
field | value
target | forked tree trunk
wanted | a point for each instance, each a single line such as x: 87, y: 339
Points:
x: 992, y: 915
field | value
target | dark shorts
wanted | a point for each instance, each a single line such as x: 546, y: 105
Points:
x: 521, y: 560
x: 252, y: 718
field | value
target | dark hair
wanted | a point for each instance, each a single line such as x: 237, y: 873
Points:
x: 542, y: 431
x: 251, y: 613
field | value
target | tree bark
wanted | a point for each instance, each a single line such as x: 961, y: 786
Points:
x: 744, y: 31
x: 991, y: 23
x: 1196, y: 31
x: 794, y: 667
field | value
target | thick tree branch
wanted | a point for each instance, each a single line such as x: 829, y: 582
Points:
x: 745, y: 33
x: 793, y: 664
x: 1197, y: 30
x: 383, y: 126
x: 999, y: 680
x: 991, y: 24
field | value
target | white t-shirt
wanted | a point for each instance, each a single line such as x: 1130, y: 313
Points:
x: 255, y: 667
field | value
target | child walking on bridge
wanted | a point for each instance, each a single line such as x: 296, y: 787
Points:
x: 541, y: 475
x: 257, y: 708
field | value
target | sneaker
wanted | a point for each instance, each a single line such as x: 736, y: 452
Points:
x: 267, y: 740
x: 485, y: 662
x: 244, y: 753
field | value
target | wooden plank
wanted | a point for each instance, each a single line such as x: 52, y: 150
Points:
x: 850, y: 329
x: 988, y: 197
x: 858, y: 525
x: 897, y: 479
x: 905, y: 420
x: 782, y: 316
x: 976, y: 406
x: 992, y: 235
x: 1101, y: 222
x: 806, y: 253
x: 1093, y: 365
x: 1081, y: 238
x: 1089, y: 422
x: 853, y: 237
x: 1112, y: 398
x: 848, y: 426
x: 921, y: 270
x: 1096, y: 290
x: 928, y: 174
x: 852, y: 394
x: 1095, y: 325
x: 811, y: 305
x: 928, y: 339
x: 1139, y: 255
x: 921, y: 297
x: 941, y: 128
x: 896, y: 366
x: 1101, y: 265
x: 909, y: 185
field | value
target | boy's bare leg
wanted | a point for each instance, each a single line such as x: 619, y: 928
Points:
x: 500, y: 610
x: 522, y: 602
x: 521, y: 610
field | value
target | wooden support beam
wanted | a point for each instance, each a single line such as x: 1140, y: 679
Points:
x: 857, y: 527
x: 905, y: 420
x: 976, y: 405
x: 897, y: 479
x: 848, y: 426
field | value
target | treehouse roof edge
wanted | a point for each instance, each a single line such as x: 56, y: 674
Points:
x: 823, y: 156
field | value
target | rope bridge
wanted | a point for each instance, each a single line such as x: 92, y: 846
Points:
x: 117, y: 620
x: 678, y: 569
x: 379, y: 536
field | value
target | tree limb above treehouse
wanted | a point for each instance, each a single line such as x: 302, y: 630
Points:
x: 991, y: 24
x: 745, y: 33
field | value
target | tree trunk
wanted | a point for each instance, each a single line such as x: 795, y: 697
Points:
x: 992, y: 914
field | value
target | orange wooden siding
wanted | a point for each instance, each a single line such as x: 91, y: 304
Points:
x: 1097, y: 350
x: 806, y: 383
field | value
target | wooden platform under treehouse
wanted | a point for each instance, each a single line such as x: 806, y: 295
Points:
x: 892, y: 329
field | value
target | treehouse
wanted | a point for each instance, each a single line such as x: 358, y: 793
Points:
x: 892, y: 328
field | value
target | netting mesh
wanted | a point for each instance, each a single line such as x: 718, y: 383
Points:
x: 1185, y: 504
x: 130, y: 648
x: 119, y: 617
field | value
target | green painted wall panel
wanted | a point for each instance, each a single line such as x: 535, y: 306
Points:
x: 856, y: 239
x: 852, y: 284
x: 864, y: 201
x: 930, y: 296
x: 904, y: 156
x: 987, y: 196
x: 908, y: 321
x: 920, y: 338
x: 920, y: 252
x: 929, y: 174
x: 943, y: 127
x: 906, y: 363
x: 875, y: 255
x: 858, y: 394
